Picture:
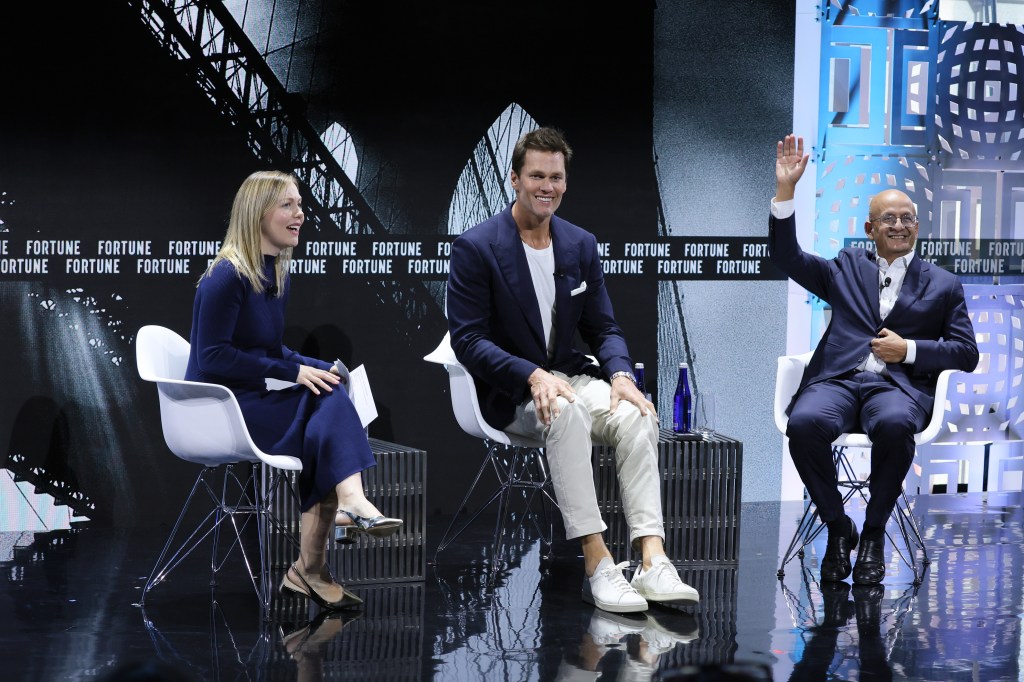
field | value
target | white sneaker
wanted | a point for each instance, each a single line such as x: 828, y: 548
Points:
x: 665, y: 630
x: 662, y: 583
x: 610, y: 628
x: 607, y: 589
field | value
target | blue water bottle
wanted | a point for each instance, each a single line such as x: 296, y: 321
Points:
x: 638, y: 374
x: 681, y: 404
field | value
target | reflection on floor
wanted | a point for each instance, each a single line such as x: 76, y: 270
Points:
x: 67, y: 613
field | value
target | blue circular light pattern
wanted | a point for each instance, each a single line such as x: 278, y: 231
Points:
x: 978, y: 87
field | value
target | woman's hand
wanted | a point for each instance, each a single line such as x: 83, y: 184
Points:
x: 314, y: 379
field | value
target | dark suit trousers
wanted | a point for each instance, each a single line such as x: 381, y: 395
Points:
x: 863, y: 402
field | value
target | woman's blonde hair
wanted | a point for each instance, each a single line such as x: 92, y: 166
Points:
x: 242, y: 245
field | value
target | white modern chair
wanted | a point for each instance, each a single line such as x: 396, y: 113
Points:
x: 202, y: 423
x: 787, y: 380
x: 518, y: 463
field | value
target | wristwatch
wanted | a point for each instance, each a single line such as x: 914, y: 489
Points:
x: 623, y: 373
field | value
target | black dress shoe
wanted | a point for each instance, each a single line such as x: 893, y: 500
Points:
x: 835, y: 565
x: 870, y: 568
x: 835, y: 597
x: 868, y: 602
x: 872, y: 650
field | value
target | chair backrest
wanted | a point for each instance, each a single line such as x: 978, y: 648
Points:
x: 465, y: 403
x: 160, y: 353
x: 791, y: 370
x: 201, y: 422
x: 788, y: 374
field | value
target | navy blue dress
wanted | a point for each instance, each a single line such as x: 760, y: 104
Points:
x: 237, y: 342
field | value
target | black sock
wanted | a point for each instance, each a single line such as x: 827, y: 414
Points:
x: 872, y: 532
x: 841, y: 526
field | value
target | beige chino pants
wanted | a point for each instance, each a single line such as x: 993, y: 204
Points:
x: 569, y: 444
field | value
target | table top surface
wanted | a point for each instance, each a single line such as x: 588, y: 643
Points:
x: 670, y: 436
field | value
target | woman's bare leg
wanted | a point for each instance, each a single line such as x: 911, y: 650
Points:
x: 315, y: 526
x: 351, y: 497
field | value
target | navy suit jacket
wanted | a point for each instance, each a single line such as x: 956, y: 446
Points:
x: 494, y: 317
x: 930, y: 311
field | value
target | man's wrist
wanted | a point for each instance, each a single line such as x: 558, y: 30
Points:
x: 784, y: 193
x: 623, y: 373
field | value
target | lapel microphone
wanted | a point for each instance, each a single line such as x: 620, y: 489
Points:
x: 885, y: 282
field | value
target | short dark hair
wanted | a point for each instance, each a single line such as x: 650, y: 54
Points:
x: 542, y: 140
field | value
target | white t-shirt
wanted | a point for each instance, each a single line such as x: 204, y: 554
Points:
x: 542, y: 271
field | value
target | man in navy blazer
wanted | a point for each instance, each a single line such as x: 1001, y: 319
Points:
x: 521, y: 285
x: 897, y: 322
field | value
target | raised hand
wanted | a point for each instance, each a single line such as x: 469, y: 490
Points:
x: 790, y: 162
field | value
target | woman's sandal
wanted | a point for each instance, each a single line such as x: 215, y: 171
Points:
x: 348, y: 600
x: 377, y: 526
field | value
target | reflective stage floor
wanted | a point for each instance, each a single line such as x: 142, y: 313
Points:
x: 67, y: 613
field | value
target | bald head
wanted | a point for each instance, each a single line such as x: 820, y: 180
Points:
x: 892, y: 241
x: 884, y: 198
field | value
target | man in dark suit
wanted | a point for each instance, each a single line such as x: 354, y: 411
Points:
x: 521, y: 284
x: 897, y: 322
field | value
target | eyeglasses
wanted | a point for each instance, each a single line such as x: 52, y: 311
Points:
x: 889, y: 220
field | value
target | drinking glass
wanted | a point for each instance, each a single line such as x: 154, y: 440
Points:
x: 704, y: 414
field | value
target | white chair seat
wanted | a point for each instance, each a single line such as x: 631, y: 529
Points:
x: 787, y: 380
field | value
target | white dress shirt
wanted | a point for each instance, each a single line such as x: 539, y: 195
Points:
x: 542, y: 271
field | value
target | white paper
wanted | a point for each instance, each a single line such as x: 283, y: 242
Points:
x: 362, y: 398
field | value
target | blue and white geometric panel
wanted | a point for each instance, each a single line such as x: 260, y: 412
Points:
x: 912, y: 74
x: 978, y: 127
x: 912, y: 14
x: 966, y: 203
x: 934, y: 108
x: 986, y: 407
x: 875, y: 78
x: 978, y: 89
x: 1011, y: 206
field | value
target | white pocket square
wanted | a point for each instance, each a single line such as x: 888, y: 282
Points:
x: 580, y: 289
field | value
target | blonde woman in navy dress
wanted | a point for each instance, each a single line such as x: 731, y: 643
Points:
x: 237, y: 332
